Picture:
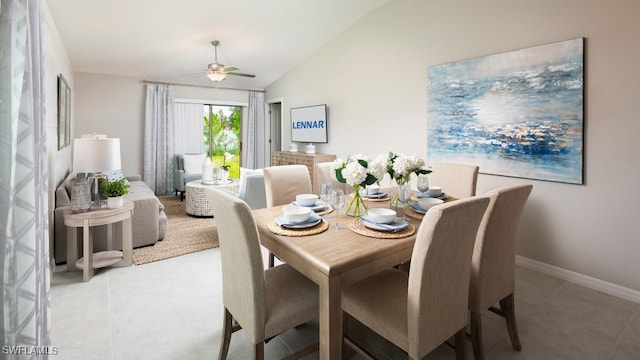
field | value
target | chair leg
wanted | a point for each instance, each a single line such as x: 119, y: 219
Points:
x: 258, y: 351
x: 508, y: 307
x: 476, y: 336
x: 461, y: 345
x: 272, y: 260
x: 227, y: 329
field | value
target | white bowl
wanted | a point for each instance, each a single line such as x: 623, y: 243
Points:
x: 373, y: 189
x: 381, y: 215
x: 306, y: 199
x: 296, y: 214
x: 434, y: 191
x: 426, y: 203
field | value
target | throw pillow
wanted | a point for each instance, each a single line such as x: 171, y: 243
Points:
x: 113, y: 174
x: 193, y: 163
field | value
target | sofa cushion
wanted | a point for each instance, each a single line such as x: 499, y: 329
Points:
x: 113, y: 174
x: 193, y: 163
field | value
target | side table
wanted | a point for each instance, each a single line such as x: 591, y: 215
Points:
x: 197, y: 204
x: 91, y: 261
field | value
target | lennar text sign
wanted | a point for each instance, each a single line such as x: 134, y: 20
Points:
x: 309, y: 124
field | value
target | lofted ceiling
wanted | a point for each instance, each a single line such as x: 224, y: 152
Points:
x: 170, y: 41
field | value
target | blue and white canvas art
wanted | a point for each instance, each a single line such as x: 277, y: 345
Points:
x: 518, y: 113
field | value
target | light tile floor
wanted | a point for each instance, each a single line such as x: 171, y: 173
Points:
x: 172, y: 309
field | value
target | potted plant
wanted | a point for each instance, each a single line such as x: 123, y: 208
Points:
x: 114, y: 192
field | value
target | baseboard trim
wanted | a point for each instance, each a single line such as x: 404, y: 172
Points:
x: 580, y: 279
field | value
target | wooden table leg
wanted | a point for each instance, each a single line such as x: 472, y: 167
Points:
x: 87, y: 243
x: 331, y: 319
x: 127, y: 242
x: 72, y: 248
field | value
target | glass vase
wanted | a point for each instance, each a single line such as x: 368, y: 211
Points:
x: 224, y: 175
x: 81, y: 194
x: 393, y: 201
x: 401, y: 199
x: 357, y: 206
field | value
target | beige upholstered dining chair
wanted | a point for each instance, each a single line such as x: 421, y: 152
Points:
x: 493, y: 262
x: 420, y: 310
x: 264, y: 303
x: 457, y: 180
x: 323, y: 174
x: 282, y: 184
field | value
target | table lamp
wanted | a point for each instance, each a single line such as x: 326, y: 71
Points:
x: 93, y: 154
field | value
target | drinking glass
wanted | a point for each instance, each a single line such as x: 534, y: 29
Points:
x: 337, y: 202
x: 423, y: 184
x: 325, y: 195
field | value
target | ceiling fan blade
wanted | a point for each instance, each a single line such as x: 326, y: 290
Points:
x: 241, y: 74
x: 230, y: 68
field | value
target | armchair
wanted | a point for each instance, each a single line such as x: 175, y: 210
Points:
x: 187, y: 167
x: 251, y: 188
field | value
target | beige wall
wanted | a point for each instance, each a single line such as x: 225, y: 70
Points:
x: 56, y: 62
x: 373, y: 79
x: 114, y: 105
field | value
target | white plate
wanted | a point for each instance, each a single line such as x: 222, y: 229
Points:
x: 303, y: 225
x: 418, y: 209
x: 395, y: 226
x: 313, y: 221
x: 379, y: 195
x: 318, y: 206
x: 425, y: 195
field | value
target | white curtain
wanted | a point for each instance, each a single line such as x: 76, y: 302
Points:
x: 158, y: 138
x: 24, y: 250
x: 256, y: 137
x: 189, y: 128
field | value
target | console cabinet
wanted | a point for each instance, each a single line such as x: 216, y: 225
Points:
x: 297, y: 158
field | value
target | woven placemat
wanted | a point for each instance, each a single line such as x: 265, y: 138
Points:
x: 356, y: 226
x: 327, y: 210
x: 277, y: 229
x: 412, y: 213
x: 386, y: 198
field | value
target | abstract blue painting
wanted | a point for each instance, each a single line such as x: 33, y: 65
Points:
x: 517, y: 114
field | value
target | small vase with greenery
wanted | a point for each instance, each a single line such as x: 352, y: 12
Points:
x: 114, y: 190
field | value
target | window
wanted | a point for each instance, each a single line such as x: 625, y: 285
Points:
x: 221, y: 130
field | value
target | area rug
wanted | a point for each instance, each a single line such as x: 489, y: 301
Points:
x: 185, y: 234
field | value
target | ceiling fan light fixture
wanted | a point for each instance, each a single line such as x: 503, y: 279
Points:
x: 215, y: 76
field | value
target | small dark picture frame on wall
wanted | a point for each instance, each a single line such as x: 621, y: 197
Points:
x: 64, y: 113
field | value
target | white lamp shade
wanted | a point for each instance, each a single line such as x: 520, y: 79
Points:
x: 96, y: 154
x: 216, y: 76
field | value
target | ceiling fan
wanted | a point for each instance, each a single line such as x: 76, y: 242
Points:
x: 218, y: 72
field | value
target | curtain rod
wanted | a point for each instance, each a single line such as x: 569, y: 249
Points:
x: 201, y: 86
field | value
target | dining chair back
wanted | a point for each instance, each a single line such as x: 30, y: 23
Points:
x: 457, y: 180
x: 283, y: 183
x: 323, y: 175
x: 264, y: 303
x: 420, y: 310
x: 493, y: 262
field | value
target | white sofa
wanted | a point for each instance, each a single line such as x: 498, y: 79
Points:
x: 251, y: 188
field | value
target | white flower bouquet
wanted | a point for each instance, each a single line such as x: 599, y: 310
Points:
x: 355, y: 172
x: 400, y: 166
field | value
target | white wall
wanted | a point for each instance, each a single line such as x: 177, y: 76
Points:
x: 56, y: 62
x: 373, y: 79
x: 114, y: 105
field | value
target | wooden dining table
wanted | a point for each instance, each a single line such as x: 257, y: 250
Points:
x: 333, y: 259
